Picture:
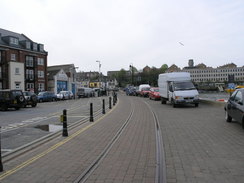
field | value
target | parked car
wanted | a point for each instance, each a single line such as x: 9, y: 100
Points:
x: 46, y: 96
x: 11, y: 99
x: 234, y: 108
x: 85, y: 92
x: 130, y: 91
x: 154, y: 94
x: 62, y: 95
x: 30, y: 98
x: 145, y: 92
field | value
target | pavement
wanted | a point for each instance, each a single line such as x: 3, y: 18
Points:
x: 199, y: 147
x: 131, y: 158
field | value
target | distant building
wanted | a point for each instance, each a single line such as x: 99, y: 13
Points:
x: 62, y: 78
x: 87, y: 76
x: 146, y: 69
x: 173, y: 68
x: 201, y: 73
x: 23, y: 62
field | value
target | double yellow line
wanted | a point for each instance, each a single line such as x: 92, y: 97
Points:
x: 33, y: 159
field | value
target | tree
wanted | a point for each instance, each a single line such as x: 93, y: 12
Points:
x: 163, y: 68
x: 122, y: 78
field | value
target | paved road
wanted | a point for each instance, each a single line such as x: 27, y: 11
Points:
x: 199, y: 146
x: 20, y: 127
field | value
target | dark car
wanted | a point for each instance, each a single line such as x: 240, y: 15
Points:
x: 30, y: 98
x: 234, y: 108
x: 11, y: 99
x: 85, y: 92
x: 46, y: 96
x: 130, y: 91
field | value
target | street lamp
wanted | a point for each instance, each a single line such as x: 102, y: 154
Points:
x: 99, y: 71
x: 131, y: 67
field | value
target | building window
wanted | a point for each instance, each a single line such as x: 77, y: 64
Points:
x: 29, y: 86
x: 40, y: 74
x: 28, y: 45
x: 29, y: 74
x: 17, y: 85
x: 40, y: 61
x: 29, y: 61
x: 41, y: 47
x: 14, y: 41
x: 35, y: 46
x: 17, y: 71
x: 13, y: 57
x: 40, y: 87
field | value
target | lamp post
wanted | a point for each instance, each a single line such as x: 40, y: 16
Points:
x: 99, y: 71
x: 131, y: 67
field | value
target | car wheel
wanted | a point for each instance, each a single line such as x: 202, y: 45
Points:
x: 242, y: 123
x: 228, y: 118
x: 40, y: 100
x: 21, y: 98
x: 33, y: 105
x: 196, y: 105
x: 4, y: 107
x: 17, y: 108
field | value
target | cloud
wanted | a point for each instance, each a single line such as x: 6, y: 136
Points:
x: 121, y: 32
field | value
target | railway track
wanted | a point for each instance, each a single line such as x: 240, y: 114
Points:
x: 160, y: 174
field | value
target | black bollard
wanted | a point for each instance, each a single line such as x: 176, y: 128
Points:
x: 1, y: 163
x: 110, y: 103
x: 91, y: 113
x: 115, y: 97
x: 65, y: 126
x: 103, y: 106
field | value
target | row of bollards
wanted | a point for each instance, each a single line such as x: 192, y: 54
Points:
x: 63, y: 118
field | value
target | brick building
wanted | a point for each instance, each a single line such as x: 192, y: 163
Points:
x: 23, y: 62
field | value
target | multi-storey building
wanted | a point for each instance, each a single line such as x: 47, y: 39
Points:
x: 223, y: 74
x: 23, y: 62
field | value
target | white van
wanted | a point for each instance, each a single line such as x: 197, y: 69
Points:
x: 177, y: 88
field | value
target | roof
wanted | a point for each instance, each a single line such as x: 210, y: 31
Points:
x: 65, y: 67
x: 20, y: 37
x: 52, y: 73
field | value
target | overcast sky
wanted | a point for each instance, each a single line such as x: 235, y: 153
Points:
x: 119, y: 33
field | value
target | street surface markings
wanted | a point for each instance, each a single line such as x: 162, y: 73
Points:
x: 52, y: 148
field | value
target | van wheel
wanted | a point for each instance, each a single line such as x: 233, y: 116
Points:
x: 228, y: 118
x: 163, y: 101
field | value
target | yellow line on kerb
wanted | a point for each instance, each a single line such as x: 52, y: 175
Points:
x: 28, y: 162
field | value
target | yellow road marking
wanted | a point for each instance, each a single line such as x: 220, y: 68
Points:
x: 33, y: 159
